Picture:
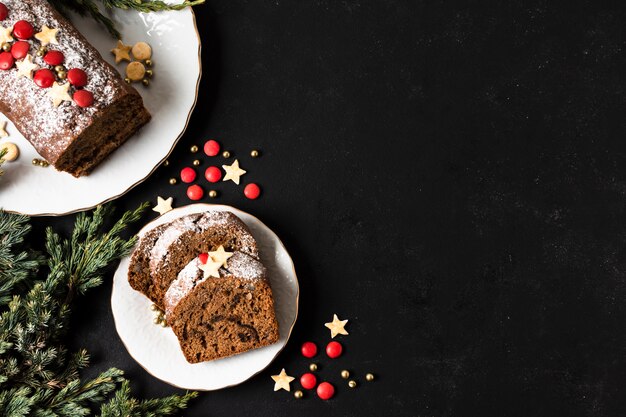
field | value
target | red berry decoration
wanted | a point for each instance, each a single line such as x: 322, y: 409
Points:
x: 334, y: 349
x: 83, y: 98
x: 44, y: 78
x: 309, y: 349
x: 6, y: 61
x: 195, y: 192
x: 4, y: 12
x: 308, y: 381
x: 77, y: 77
x: 325, y: 391
x: 213, y: 174
x: 252, y: 191
x: 211, y: 147
x: 187, y: 175
x: 20, y: 49
x: 23, y: 30
x: 203, y: 257
x: 54, y: 58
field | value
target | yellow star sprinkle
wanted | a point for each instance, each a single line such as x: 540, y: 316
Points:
x: 122, y: 52
x: 3, y: 130
x: 5, y: 35
x: 163, y: 206
x: 47, y: 36
x: 282, y: 381
x: 25, y: 67
x: 220, y: 256
x: 336, y: 326
x: 233, y: 172
x: 59, y: 93
x: 210, y: 268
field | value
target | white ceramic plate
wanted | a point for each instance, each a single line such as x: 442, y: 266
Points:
x: 157, y: 350
x: 170, y: 99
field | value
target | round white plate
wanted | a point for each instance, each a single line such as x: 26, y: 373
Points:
x: 174, y: 38
x: 156, y: 348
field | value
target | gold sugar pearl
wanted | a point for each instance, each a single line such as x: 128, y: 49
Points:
x: 166, y: 163
x: 173, y: 181
x: 352, y: 384
x: 6, y: 47
x: 149, y: 73
x: 43, y: 163
x: 127, y: 80
x: 36, y: 161
x: 193, y: 149
x: 41, y: 53
x: 369, y: 377
x: 156, y: 320
x: 148, y: 62
x: 254, y: 153
x: 298, y: 394
x: 313, y: 367
x: 345, y: 374
x: 154, y: 307
x: 226, y: 154
x: 196, y: 162
x: 164, y: 323
x: 62, y: 75
x: 135, y: 71
x: 145, y: 82
x: 59, y: 68
x: 212, y: 193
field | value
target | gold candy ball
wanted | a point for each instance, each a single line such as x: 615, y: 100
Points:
x: 41, y: 53
x: 163, y: 323
x: 62, y: 75
x: 196, y: 162
x: 127, y: 80
x: 44, y: 163
x: 149, y: 73
x: 226, y: 154
x: 212, y: 193
x: 369, y: 377
x: 6, y: 47
x: 313, y: 367
x: 59, y: 68
x: 166, y: 163
x: 154, y: 307
x: 298, y: 394
x: 157, y: 320
x: 173, y: 181
x: 352, y: 384
x: 148, y: 62
x: 345, y: 374
x: 145, y: 82
x: 193, y: 149
x: 254, y: 153
x: 36, y: 161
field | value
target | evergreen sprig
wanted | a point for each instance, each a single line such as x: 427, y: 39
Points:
x: 38, y: 375
x: 92, y: 8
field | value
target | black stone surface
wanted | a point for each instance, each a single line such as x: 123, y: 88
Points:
x: 447, y: 175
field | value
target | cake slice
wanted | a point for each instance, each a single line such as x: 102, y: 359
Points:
x: 219, y: 317
x: 75, y: 122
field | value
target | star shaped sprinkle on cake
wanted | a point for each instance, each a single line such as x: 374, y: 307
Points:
x: 121, y: 52
x: 210, y: 268
x: 220, y: 256
x: 3, y: 130
x: 163, y: 205
x: 47, y: 36
x: 25, y: 67
x: 59, y: 93
x: 5, y: 35
x: 282, y: 380
x: 233, y: 172
x: 337, y: 326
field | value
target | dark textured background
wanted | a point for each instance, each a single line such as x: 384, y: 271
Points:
x: 450, y: 176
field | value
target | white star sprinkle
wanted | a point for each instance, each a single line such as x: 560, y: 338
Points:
x: 233, y: 172
x: 220, y: 256
x: 26, y: 67
x: 163, y: 206
x: 59, y: 93
x: 5, y: 35
x: 47, y: 36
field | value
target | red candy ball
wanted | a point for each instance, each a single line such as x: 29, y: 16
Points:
x: 53, y: 58
x: 309, y: 349
x: 195, y: 192
x: 4, y: 12
x: 6, y: 60
x: 334, y: 349
x: 211, y: 148
x: 213, y: 174
x: 20, y: 49
x: 77, y: 77
x: 187, y: 175
x: 252, y: 191
x: 203, y: 257
x: 325, y: 391
x: 44, y: 78
x: 83, y: 98
x: 308, y: 381
x: 23, y: 30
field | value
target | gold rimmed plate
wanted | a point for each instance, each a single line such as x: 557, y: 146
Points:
x: 157, y: 349
x: 170, y: 98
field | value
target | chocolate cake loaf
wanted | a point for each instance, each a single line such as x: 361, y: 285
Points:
x: 217, y: 314
x: 219, y: 317
x: 58, y: 91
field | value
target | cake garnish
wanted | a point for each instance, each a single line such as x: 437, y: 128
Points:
x: 59, y: 93
x: 47, y: 36
x: 220, y: 256
x: 5, y: 35
x: 336, y: 326
x: 121, y: 52
x: 26, y: 67
x: 282, y: 380
x: 210, y: 268
x: 233, y: 172
x: 163, y: 205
